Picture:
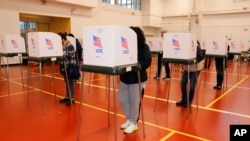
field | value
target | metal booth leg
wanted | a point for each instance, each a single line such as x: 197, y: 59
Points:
x: 53, y: 75
x: 140, y: 95
x: 41, y: 86
x: 80, y: 109
x: 21, y: 69
x: 115, y: 118
x: 188, y: 87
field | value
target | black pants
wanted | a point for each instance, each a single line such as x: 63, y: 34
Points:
x: 219, y: 64
x: 159, y: 63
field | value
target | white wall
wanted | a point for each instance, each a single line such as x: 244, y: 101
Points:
x: 208, y: 18
x: 203, y: 17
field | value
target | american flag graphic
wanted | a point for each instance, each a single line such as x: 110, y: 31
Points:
x: 150, y: 43
x: 33, y: 43
x: 97, y: 41
x: 2, y: 42
x: 160, y: 44
x: 124, y: 42
x: 215, y: 45
x: 175, y: 43
x: 13, y: 43
x: 48, y: 42
x: 232, y: 45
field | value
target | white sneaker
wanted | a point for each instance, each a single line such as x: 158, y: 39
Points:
x: 131, y: 128
x: 125, y: 125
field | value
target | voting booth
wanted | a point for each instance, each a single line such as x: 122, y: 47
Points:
x: 155, y: 44
x: 12, y: 44
x: 43, y: 47
x: 179, y: 48
x: 109, y: 46
x: 216, y: 46
x: 179, y: 45
x: 235, y: 46
x: 109, y: 50
x: 44, y: 44
x: 203, y: 45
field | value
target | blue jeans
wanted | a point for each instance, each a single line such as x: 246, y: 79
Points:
x: 184, y: 80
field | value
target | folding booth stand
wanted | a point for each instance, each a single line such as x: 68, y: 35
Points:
x: 41, y: 60
x: 179, y: 48
x: 118, y: 70
x: 43, y: 47
x: 9, y: 55
x: 177, y: 61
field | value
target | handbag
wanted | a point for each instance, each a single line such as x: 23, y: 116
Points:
x: 73, y: 72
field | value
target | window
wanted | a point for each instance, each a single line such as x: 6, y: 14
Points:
x: 133, y: 4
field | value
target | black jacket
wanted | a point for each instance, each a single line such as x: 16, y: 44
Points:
x: 144, y: 60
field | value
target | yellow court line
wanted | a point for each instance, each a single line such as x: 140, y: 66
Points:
x: 209, y: 105
x: 167, y: 136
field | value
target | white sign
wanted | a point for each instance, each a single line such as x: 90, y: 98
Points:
x: 109, y: 45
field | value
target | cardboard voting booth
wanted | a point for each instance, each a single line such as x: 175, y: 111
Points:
x: 12, y: 44
x: 155, y: 43
x: 216, y: 46
x: 109, y: 46
x: 235, y: 46
x: 179, y: 46
x: 44, y: 44
x: 203, y: 45
x: 246, y: 46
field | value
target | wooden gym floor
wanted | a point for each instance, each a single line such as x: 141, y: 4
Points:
x: 28, y: 114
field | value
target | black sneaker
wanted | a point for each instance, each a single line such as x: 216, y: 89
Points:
x: 181, y: 103
x: 217, y: 87
x: 156, y: 77
x: 64, y: 100
x: 166, y: 78
x: 68, y: 103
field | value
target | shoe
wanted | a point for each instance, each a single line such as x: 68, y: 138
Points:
x: 181, y: 103
x: 217, y: 87
x: 125, y: 125
x: 131, y: 128
x: 64, y: 100
x: 166, y: 78
x: 68, y: 103
x: 156, y: 78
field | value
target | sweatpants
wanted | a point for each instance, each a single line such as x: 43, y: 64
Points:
x: 129, y: 99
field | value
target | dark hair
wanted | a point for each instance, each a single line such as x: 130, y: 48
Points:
x: 63, y: 36
x: 70, y: 34
x: 140, y: 36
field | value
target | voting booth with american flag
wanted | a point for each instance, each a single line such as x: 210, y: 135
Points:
x: 179, y: 48
x: 44, y: 44
x: 109, y: 50
x: 43, y: 47
x: 11, y: 46
x: 155, y: 44
x: 109, y: 46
